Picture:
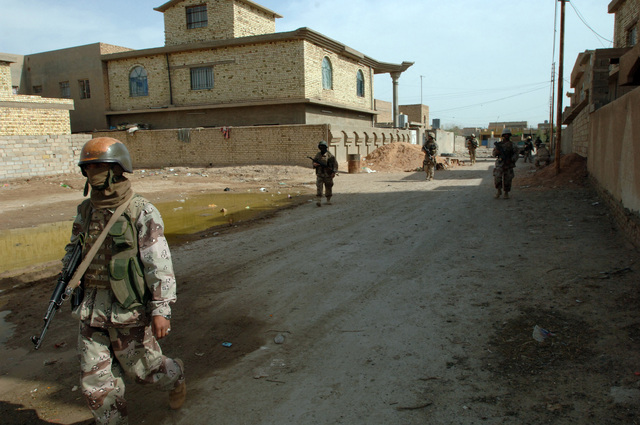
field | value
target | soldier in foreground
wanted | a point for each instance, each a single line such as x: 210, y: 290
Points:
x: 430, y: 150
x: 127, y: 288
x: 506, y: 153
x: 472, y: 145
x: 326, y: 167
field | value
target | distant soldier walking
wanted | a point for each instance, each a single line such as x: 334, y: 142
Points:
x: 430, y: 150
x: 326, y: 167
x: 472, y: 145
x: 506, y: 154
x: 528, y: 150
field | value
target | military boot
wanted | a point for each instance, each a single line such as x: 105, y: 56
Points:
x: 498, y: 193
x: 179, y: 393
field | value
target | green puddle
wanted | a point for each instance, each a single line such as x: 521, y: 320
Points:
x: 21, y: 248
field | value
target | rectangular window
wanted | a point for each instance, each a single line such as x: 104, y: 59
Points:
x: 15, y: 89
x: 632, y: 36
x: 197, y: 16
x: 65, y: 90
x: 37, y: 89
x: 85, y: 90
x: 202, y: 78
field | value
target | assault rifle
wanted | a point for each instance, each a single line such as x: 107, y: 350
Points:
x: 502, y: 154
x: 61, y: 292
x: 322, y: 164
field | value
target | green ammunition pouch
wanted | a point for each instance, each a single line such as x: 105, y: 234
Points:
x: 126, y: 272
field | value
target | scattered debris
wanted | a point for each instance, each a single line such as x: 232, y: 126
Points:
x: 540, y: 334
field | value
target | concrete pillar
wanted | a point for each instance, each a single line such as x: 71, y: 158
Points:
x: 396, y: 107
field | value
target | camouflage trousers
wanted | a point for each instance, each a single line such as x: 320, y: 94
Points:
x: 325, y: 182
x: 107, y: 354
x: 429, y: 168
x: 472, y: 156
x: 502, y: 178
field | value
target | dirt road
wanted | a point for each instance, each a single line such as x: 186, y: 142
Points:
x: 405, y: 302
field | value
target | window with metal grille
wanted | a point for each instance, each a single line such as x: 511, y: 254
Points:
x: 360, y: 83
x: 327, y: 74
x: 197, y: 16
x: 65, y: 90
x: 202, y: 78
x: 85, y: 90
x: 138, y: 82
x: 37, y: 89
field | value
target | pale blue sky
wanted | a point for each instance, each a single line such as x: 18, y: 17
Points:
x: 480, y: 61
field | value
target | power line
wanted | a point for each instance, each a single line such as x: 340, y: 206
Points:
x: 588, y: 26
x: 491, y: 101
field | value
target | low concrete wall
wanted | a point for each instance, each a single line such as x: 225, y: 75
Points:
x: 30, y: 156
x: 613, y: 158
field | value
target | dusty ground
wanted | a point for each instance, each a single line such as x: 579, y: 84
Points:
x: 405, y: 302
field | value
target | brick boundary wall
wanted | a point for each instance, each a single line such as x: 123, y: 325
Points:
x: 270, y: 145
x: 32, y: 156
x: 627, y: 220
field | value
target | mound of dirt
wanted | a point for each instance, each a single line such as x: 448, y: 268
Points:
x: 398, y: 156
x: 573, y: 171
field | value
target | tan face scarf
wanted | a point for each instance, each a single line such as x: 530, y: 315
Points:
x: 108, y: 189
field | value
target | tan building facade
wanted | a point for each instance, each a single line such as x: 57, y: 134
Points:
x: 237, y: 71
x: 29, y: 115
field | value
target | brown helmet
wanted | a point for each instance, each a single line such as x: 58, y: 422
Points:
x: 106, y: 149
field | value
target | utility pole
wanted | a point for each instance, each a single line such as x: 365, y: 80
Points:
x: 560, y: 89
x: 421, y: 77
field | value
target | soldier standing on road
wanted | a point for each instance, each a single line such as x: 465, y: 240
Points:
x: 528, y: 150
x: 128, y: 288
x: 430, y: 150
x: 326, y: 167
x: 472, y: 145
x: 506, y: 153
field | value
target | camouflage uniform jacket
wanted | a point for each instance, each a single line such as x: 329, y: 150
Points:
x: 510, y: 155
x: 99, y: 306
x: 430, y: 150
x: 331, y: 165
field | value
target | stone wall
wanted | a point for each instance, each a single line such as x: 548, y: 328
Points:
x: 31, y: 156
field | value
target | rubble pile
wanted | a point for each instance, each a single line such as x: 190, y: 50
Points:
x: 398, y: 156
x: 573, y: 171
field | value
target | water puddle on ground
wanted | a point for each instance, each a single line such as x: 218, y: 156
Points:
x: 21, y: 248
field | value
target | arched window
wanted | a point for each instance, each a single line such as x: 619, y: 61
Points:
x: 327, y: 74
x: 360, y: 83
x: 138, y: 82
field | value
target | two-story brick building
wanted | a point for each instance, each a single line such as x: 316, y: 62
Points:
x: 602, y: 75
x: 223, y: 64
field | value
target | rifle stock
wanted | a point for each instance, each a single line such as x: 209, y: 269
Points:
x: 60, y: 293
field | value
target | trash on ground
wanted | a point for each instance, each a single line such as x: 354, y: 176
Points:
x: 540, y: 334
